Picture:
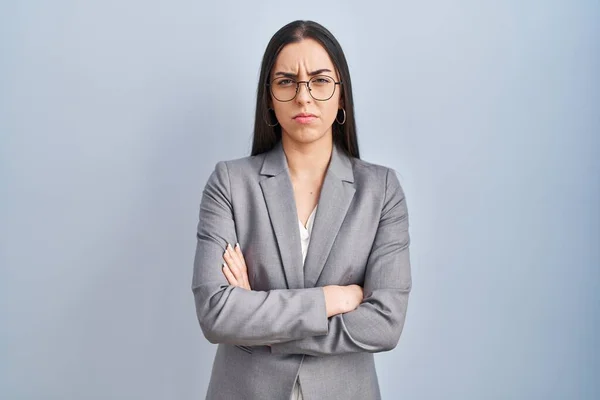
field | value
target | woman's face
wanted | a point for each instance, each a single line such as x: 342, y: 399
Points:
x: 300, y: 62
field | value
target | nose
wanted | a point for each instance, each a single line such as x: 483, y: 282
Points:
x: 303, y: 94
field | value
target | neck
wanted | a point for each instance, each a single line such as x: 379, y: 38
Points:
x: 308, y: 160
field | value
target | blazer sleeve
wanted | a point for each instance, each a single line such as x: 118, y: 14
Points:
x: 376, y: 324
x: 233, y: 315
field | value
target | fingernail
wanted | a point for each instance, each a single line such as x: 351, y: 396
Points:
x: 237, y: 245
x: 228, y: 246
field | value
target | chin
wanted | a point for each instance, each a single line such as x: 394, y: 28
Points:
x: 306, y: 135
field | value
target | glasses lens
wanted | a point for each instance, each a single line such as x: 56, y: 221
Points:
x: 283, y: 89
x: 321, y: 87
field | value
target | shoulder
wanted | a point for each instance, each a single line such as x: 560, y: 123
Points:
x: 235, y: 173
x: 240, y: 166
x: 227, y: 173
x: 369, y: 172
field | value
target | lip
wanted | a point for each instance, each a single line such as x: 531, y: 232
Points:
x: 304, y: 115
x: 304, y: 118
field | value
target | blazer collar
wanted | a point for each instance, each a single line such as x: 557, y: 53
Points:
x: 276, y: 162
x: 335, y: 199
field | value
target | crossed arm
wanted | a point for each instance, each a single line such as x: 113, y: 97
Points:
x: 338, y: 299
x: 299, y: 320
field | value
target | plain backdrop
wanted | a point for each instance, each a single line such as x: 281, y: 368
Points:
x: 114, y: 113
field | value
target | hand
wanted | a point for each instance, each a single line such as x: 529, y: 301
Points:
x: 353, y: 298
x: 234, y: 267
x: 342, y: 299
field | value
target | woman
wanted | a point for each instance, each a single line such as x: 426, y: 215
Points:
x: 319, y: 277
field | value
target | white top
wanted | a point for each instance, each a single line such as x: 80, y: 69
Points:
x: 305, y: 233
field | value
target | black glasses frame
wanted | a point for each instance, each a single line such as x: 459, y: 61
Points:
x: 307, y: 83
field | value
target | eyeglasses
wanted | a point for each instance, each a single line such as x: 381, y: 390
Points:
x: 320, y: 88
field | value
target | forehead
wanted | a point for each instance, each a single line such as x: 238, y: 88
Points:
x: 304, y: 56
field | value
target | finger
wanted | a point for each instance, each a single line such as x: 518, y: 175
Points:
x: 229, y: 275
x: 242, y: 263
x: 237, y: 267
x: 233, y: 263
x: 238, y: 251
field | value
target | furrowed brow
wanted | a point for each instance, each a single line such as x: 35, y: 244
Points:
x: 291, y: 75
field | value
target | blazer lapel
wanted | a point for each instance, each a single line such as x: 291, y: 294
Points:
x: 281, y: 205
x: 335, y: 198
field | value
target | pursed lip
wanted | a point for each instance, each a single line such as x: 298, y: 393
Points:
x: 304, y: 115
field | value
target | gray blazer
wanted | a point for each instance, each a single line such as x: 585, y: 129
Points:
x: 360, y: 236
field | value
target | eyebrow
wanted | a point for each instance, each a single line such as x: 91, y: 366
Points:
x: 290, y: 75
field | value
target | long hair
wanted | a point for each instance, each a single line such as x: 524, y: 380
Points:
x: 265, y: 136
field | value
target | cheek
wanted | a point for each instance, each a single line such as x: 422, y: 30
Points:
x: 329, y: 112
x: 280, y: 110
x: 283, y: 114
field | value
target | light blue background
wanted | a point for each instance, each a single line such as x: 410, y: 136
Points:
x: 114, y: 113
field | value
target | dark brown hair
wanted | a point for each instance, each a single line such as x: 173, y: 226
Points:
x: 265, y: 136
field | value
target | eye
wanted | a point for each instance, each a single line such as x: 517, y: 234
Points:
x: 322, y: 80
x: 284, y: 82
